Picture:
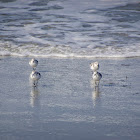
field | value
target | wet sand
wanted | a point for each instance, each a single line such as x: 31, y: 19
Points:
x: 65, y: 105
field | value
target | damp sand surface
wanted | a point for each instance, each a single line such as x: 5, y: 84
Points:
x: 65, y: 104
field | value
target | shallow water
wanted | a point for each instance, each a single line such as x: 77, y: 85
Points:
x: 65, y: 104
x: 69, y: 28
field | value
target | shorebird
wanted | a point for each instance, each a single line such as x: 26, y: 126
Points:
x: 35, y: 76
x: 33, y: 63
x: 94, y: 66
x: 96, y: 78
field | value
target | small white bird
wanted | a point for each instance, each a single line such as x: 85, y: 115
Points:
x: 94, y: 66
x: 96, y: 78
x: 33, y: 63
x: 35, y: 76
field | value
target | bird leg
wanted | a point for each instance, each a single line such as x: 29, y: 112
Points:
x: 96, y: 83
x: 35, y: 83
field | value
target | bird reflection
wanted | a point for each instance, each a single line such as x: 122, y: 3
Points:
x: 96, y: 92
x: 34, y: 100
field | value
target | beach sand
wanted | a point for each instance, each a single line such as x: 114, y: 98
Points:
x: 65, y: 105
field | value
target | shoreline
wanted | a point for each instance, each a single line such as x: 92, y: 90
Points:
x: 71, y: 57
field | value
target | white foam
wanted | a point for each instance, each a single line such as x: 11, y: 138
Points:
x: 68, y: 52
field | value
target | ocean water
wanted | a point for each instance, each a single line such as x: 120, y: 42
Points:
x: 69, y: 28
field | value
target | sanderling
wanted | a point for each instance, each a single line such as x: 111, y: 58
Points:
x: 35, y: 76
x: 94, y: 66
x: 96, y: 78
x: 33, y: 63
